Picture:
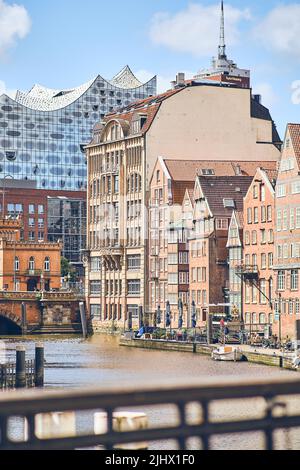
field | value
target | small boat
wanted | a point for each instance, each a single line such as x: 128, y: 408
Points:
x: 227, y: 353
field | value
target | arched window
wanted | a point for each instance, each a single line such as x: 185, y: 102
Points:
x: 32, y: 264
x: 262, y: 318
x: 47, y: 264
x: 17, y: 264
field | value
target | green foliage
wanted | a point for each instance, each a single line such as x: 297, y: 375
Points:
x: 67, y: 270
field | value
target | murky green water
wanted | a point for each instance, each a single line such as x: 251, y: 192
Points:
x: 72, y: 362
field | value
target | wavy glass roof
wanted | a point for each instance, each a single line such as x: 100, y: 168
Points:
x: 40, y: 98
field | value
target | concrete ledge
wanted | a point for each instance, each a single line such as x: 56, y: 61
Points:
x: 255, y: 357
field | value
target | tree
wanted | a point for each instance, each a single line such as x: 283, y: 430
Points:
x: 67, y: 270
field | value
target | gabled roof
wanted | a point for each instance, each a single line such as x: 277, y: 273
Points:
x: 294, y: 130
x: 216, y: 189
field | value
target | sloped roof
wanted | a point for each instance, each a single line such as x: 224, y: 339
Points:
x: 261, y: 112
x: 148, y: 107
x: 294, y: 130
x: 216, y: 189
x: 187, y: 170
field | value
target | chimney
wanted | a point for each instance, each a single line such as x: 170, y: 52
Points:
x: 257, y: 98
x: 180, y: 79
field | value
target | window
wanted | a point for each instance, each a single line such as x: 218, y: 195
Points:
x: 96, y: 312
x: 31, y: 209
x: 96, y: 265
x: 158, y: 176
x: 281, y: 190
x: 292, y: 219
x: 95, y: 287
x: 279, y: 220
x: 270, y: 260
x: 222, y: 224
x: 281, y: 280
x: 296, y: 187
x: 255, y: 192
x: 31, y: 236
x: 263, y: 261
x: 263, y: 293
x: 173, y: 278
x: 298, y: 217
x: 183, y: 257
x: 17, y: 264
x: 263, y: 213
x: 262, y: 318
x: 285, y: 220
x: 271, y: 236
x: 41, y: 236
x: 295, y: 279
x: 173, y: 258
x: 263, y: 193
x: 41, y: 223
x: 31, y: 222
x: 47, y: 264
x: 269, y: 213
x: 263, y: 237
x: 229, y: 203
x: 134, y: 287
x: 247, y: 238
x: 256, y: 215
x: 134, y: 262
x: 249, y: 215
x: 254, y: 238
x: 31, y: 264
x: 41, y: 209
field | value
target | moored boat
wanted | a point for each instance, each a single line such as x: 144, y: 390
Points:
x: 227, y: 353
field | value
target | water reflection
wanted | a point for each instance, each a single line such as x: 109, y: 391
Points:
x: 77, y: 363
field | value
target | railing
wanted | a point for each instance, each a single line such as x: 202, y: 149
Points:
x: 271, y: 414
x: 8, y: 375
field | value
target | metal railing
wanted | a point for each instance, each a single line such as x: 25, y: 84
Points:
x: 274, y: 394
x: 8, y: 375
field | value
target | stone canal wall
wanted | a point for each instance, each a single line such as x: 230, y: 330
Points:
x: 257, y: 357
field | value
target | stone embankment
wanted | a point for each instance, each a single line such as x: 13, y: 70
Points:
x: 266, y: 357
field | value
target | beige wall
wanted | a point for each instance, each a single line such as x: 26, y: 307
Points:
x: 206, y: 122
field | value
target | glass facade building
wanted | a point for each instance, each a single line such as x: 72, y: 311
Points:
x: 67, y: 223
x: 43, y: 132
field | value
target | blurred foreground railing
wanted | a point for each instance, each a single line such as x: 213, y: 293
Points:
x: 274, y: 396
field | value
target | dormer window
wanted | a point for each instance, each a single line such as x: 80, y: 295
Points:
x: 229, y: 203
x: 208, y: 172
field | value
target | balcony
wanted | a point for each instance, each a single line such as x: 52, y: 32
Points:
x: 248, y: 272
x: 33, y: 272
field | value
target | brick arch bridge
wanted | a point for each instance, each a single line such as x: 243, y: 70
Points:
x: 11, y: 316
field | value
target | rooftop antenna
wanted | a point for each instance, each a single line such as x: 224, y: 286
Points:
x: 222, y: 45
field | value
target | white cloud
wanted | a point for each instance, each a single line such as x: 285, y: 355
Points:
x: 15, y: 24
x: 279, y: 30
x: 269, y: 97
x: 195, y: 30
x: 163, y: 83
x: 7, y: 91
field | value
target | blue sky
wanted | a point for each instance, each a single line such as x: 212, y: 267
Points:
x: 63, y: 43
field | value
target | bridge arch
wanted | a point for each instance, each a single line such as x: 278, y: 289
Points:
x: 10, y: 324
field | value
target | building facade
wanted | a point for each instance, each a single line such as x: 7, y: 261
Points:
x: 257, y: 271
x: 27, y: 266
x: 215, y: 200
x: 287, y: 235
x: 235, y: 260
x: 121, y: 159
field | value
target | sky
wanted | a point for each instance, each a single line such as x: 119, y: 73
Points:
x: 64, y: 43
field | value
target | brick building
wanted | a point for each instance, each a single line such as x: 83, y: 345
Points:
x: 287, y: 234
x: 215, y: 200
x: 171, y: 215
x: 27, y: 266
x: 257, y: 270
x: 235, y: 260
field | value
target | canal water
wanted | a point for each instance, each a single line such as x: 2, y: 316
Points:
x: 72, y: 362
